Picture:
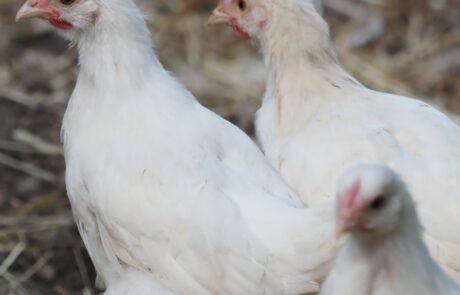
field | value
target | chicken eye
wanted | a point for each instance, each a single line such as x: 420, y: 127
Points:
x: 378, y: 203
x: 242, y: 5
x: 67, y: 2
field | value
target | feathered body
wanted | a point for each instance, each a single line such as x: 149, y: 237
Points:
x: 136, y: 282
x: 316, y: 120
x: 391, y: 261
x: 162, y: 185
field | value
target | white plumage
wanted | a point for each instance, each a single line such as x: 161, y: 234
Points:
x: 162, y: 185
x: 316, y: 120
x: 136, y: 282
x: 385, y: 253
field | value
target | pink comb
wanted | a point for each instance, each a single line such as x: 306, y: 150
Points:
x: 349, y: 201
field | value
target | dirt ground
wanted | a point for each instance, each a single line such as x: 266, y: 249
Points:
x: 409, y: 47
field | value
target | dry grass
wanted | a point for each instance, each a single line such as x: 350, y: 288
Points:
x: 408, y: 47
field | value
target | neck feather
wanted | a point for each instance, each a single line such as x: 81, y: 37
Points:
x: 118, y: 50
x: 401, y: 251
x: 301, y: 60
x: 293, y: 36
x: 401, y: 258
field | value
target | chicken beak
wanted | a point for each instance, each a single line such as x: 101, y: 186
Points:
x: 218, y: 17
x: 29, y: 10
x: 340, y: 230
x: 344, y: 226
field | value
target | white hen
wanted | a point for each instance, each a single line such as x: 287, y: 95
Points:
x: 316, y: 120
x: 162, y: 185
x: 385, y: 253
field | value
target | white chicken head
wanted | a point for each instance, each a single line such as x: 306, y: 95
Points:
x: 66, y: 15
x: 371, y: 201
x: 247, y: 17
x: 250, y: 18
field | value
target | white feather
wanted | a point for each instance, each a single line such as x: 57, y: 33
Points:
x: 135, y: 282
x: 316, y: 121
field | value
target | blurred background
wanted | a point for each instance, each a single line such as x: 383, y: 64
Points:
x: 408, y: 47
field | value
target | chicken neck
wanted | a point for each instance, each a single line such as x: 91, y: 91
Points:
x: 303, y: 69
x: 398, y: 254
x: 117, y: 52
